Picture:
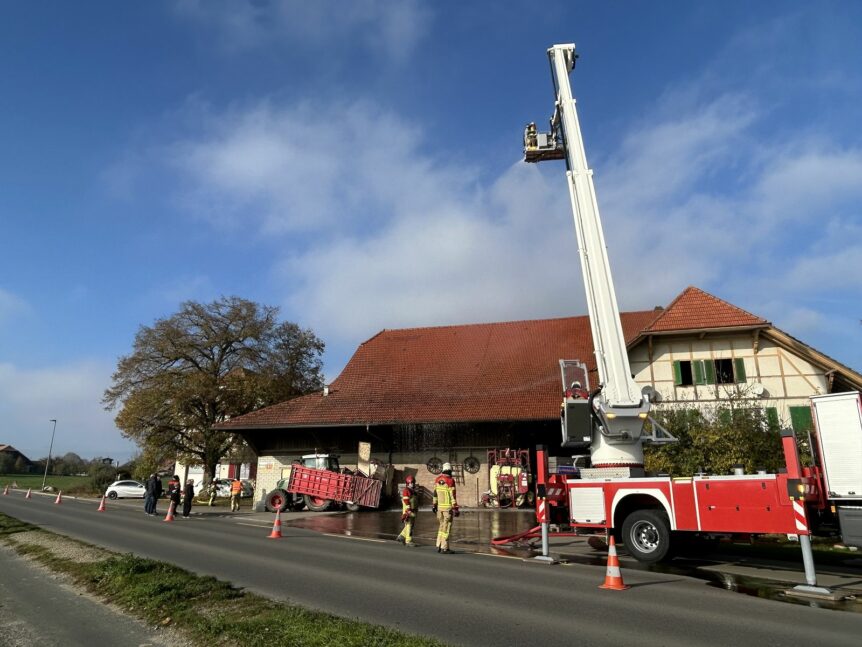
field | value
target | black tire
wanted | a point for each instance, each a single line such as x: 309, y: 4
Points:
x: 646, y: 535
x: 316, y: 504
x: 112, y: 495
x: 353, y: 507
x: 276, y: 501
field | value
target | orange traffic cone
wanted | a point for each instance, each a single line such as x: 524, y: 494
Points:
x: 170, y: 515
x: 613, y: 578
x: 102, y: 505
x: 276, y: 527
x: 28, y: 495
x: 6, y: 491
x: 59, y: 497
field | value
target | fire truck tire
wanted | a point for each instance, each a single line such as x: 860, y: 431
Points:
x: 277, y: 500
x: 646, y: 535
x: 316, y: 504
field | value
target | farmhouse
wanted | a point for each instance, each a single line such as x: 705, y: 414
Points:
x: 15, y: 460
x: 450, y: 393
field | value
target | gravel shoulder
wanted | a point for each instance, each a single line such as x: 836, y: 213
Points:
x: 41, y: 607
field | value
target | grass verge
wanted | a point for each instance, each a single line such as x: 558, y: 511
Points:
x: 206, y: 610
x: 34, y: 481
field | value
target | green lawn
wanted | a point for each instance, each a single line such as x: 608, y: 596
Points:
x: 34, y: 481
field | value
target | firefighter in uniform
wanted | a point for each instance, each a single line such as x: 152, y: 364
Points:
x: 445, y: 506
x: 409, y: 505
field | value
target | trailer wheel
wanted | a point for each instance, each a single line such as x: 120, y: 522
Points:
x: 317, y: 504
x: 276, y: 501
x: 646, y: 535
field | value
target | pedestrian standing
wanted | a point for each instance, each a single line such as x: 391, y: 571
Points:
x: 188, y: 495
x: 174, y: 491
x: 157, y: 494
x: 150, y: 495
x: 409, y: 504
x: 235, y: 492
x: 445, y: 506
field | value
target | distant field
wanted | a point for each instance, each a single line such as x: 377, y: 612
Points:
x: 35, y: 481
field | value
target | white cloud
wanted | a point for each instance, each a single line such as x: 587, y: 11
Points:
x: 12, y: 306
x: 308, y: 167
x: 394, y: 237
x: 461, y: 262
x: 391, y: 28
x: 797, y: 183
x: 70, y: 393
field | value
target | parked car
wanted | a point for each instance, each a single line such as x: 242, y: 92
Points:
x: 223, y: 488
x: 125, y: 490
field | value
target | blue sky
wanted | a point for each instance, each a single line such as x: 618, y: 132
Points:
x: 358, y: 164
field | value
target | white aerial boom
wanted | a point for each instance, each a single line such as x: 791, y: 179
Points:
x: 613, y: 427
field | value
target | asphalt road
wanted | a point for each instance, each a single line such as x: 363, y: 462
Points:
x: 465, y: 599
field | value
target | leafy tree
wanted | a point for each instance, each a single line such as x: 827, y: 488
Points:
x: 101, y: 476
x: 714, y: 439
x: 205, y: 364
x: 72, y: 463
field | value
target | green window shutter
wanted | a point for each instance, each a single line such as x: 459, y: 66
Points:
x: 800, y: 419
x: 709, y: 365
x: 677, y: 373
x: 739, y: 370
x: 697, y: 369
x: 772, y: 417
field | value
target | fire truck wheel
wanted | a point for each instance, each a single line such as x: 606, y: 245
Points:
x: 276, y: 501
x: 316, y: 504
x: 646, y: 535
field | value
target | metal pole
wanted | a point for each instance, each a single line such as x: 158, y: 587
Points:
x: 542, y: 502
x: 50, y: 448
x: 811, y: 589
x: 545, y: 546
x: 808, y: 560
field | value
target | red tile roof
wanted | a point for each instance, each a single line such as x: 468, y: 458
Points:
x: 695, y: 309
x: 479, y: 372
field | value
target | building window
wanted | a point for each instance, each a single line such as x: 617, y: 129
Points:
x: 682, y: 374
x: 800, y: 419
x: 709, y: 371
x: 724, y: 371
x: 772, y: 418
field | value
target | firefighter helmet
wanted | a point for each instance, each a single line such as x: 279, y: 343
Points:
x: 447, y: 467
x: 409, y: 480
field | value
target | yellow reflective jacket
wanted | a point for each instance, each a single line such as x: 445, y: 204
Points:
x: 444, y: 493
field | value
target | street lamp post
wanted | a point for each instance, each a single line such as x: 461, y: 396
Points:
x: 51, y: 447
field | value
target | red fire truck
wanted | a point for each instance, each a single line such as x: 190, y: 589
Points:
x: 649, y: 513
x: 615, y: 494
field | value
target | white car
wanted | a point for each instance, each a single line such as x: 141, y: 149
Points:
x: 125, y: 490
x: 223, y: 488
